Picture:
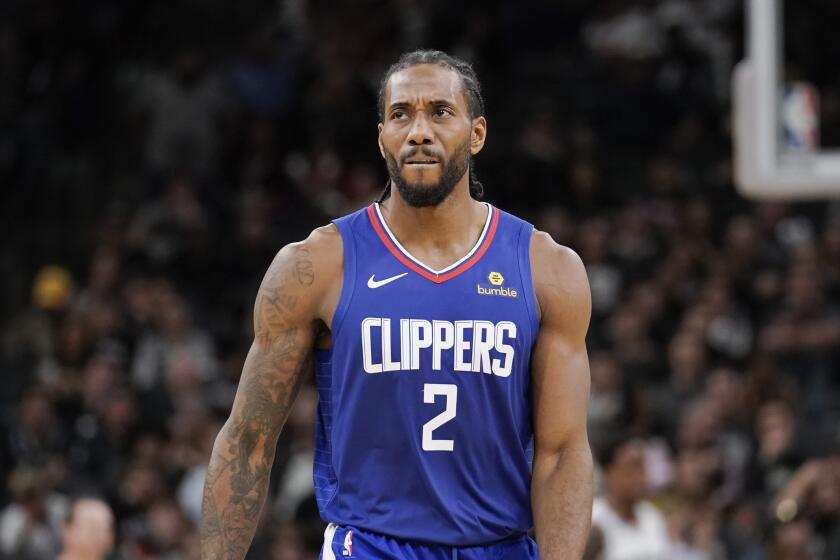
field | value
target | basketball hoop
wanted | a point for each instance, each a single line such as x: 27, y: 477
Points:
x: 776, y: 133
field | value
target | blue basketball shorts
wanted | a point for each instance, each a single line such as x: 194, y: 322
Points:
x: 351, y: 543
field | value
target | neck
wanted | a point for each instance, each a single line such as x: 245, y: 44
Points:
x: 623, y: 508
x: 455, y: 218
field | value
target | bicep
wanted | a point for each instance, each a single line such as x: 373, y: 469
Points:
x: 560, y: 365
x: 560, y: 377
x: 284, y: 331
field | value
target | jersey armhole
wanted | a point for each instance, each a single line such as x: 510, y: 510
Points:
x: 348, y: 283
x: 524, y: 258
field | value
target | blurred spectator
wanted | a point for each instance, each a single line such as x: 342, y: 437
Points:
x: 183, y: 106
x: 168, y: 530
x: 288, y: 543
x: 296, y: 483
x: 103, y: 437
x: 194, y: 465
x: 88, y: 532
x: 632, y: 32
x: 608, y: 403
x: 779, y: 451
x: 630, y: 526
x: 176, y: 352
x: 173, y: 227
x: 37, y: 434
x: 263, y: 80
x: 605, y: 279
x: 810, y: 503
x: 687, y: 362
x: 793, y: 541
x: 31, y: 524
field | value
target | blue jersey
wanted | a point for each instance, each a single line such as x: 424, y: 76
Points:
x: 424, y: 415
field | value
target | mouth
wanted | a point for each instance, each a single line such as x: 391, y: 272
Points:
x: 420, y: 162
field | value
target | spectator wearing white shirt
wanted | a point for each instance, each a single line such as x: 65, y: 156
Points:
x: 628, y: 527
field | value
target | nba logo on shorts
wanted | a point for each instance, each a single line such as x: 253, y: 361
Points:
x: 348, y: 544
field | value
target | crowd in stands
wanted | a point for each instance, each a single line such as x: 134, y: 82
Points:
x: 155, y: 156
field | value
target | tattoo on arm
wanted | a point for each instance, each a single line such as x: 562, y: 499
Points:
x: 303, y: 267
x: 239, y: 469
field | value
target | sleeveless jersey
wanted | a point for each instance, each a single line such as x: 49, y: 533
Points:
x: 424, y: 416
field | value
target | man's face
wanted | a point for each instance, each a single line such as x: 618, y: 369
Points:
x: 427, y: 135
x: 626, y: 476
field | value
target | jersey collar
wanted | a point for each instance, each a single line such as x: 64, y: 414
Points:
x: 437, y: 276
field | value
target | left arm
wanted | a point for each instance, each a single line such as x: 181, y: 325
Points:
x: 561, y: 487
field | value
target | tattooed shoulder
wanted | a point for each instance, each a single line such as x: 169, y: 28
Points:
x: 297, y: 283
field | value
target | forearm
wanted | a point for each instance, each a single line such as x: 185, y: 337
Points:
x: 561, y: 499
x: 234, y: 492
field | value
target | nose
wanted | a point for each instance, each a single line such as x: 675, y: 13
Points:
x: 420, y: 132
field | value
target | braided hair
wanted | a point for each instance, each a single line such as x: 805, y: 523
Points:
x: 469, y: 82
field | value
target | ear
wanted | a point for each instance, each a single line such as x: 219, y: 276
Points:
x: 478, y: 135
x: 379, y: 140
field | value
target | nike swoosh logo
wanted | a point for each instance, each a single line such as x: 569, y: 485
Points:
x: 379, y: 283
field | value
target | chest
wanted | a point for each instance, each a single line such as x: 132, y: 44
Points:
x: 476, y: 322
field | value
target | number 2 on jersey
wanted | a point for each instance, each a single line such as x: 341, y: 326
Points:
x: 430, y: 391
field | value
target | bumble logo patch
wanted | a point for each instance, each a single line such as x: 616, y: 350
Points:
x: 496, y: 279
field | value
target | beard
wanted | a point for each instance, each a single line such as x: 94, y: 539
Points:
x: 421, y: 195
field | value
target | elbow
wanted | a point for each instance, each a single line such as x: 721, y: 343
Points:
x: 575, y: 455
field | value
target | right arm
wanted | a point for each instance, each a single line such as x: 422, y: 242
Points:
x: 295, y: 297
x: 561, y: 485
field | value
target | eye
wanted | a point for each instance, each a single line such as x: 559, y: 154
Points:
x: 397, y: 115
x: 443, y: 112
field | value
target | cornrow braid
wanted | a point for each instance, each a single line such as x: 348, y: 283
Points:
x: 472, y: 93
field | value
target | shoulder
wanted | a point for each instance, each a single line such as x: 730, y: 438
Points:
x: 560, y: 282
x: 555, y: 257
x: 305, y: 274
x: 324, y: 246
x: 321, y: 252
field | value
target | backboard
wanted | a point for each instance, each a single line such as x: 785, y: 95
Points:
x: 777, y: 153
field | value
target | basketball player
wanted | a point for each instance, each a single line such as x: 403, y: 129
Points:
x: 448, y: 342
